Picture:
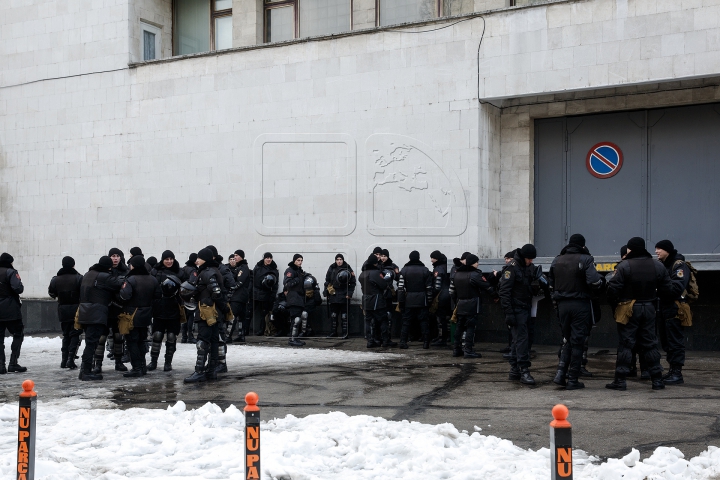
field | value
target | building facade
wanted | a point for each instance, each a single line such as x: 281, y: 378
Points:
x: 323, y: 126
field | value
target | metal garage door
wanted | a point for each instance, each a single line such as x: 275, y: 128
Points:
x: 647, y: 173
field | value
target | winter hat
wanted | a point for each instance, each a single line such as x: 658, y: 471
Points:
x: 623, y: 251
x: 415, y: 255
x: 377, y: 250
x: 6, y: 258
x: 68, y: 262
x: 267, y: 255
x: 385, y: 252
x: 152, y: 261
x: 240, y: 253
x: 205, y: 254
x: 115, y: 251
x: 166, y: 254
x: 213, y: 250
x: 510, y: 254
x: 577, y: 239
x: 666, y: 245
x: 471, y: 260
x: 137, y: 261
x: 528, y: 251
x: 636, y: 243
x: 464, y: 255
x: 296, y: 256
x: 135, y: 251
x: 436, y: 254
x: 340, y: 256
x: 219, y: 258
x: 372, y: 260
x: 191, y: 259
x: 105, y: 262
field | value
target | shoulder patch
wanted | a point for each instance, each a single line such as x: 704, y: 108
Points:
x: 507, y: 274
x: 680, y: 273
x: 124, y: 283
x: 18, y: 276
x: 289, y: 274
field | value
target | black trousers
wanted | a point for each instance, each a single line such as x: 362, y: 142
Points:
x: 672, y: 339
x: 520, y: 348
x: 187, y: 328
x: 16, y: 329
x: 639, y: 334
x: 376, y: 319
x: 239, y: 310
x: 210, y: 334
x: 93, y: 333
x: 339, y: 308
x: 71, y: 337
x: 136, y: 346
x: 466, y: 324
x: 575, y: 323
x: 412, y: 315
x: 261, y: 311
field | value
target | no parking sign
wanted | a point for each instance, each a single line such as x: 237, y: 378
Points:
x: 604, y: 160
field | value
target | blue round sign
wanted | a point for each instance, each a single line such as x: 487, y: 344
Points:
x: 604, y: 160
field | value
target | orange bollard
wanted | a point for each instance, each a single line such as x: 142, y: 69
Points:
x: 252, y: 437
x: 26, y: 432
x: 561, y: 466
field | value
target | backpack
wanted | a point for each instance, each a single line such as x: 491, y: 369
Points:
x: 692, y: 291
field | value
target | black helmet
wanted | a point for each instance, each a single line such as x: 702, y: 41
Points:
x: 187, y: 290
x: 282, y: 305
x: 269, y: 281
x: 343, y: 277
x: 388, y: 274
x: 170, y: 286
x: 309, y: 282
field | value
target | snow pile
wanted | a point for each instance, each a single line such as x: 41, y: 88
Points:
x: 76, y: 441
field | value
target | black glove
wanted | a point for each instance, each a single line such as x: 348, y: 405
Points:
x: 510, y: 319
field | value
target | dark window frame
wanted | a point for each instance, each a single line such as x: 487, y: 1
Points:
x: 439, y: 4
x: 295, y: 4
x: 213, y: 15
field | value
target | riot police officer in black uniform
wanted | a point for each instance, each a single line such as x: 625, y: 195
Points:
x: 515, y: 291
x: 465, y: 289
x: 138, y: 292
x: 573, y: 277
x: 168, y: 310
x: 10, y: 315
x: 441, y: 300
x: 240, y: 296
x: 208, y: 293
x: 293, y: 287
x: 391, y: 272
x: 119, y: 270
x: 373, y: 285
x: 339, y: 288
x: 265, y: 285
x: 65, y: 287
x: 98, y: 288
x: 633, y: 289
x: 190, y: 273
x: 415, y: 294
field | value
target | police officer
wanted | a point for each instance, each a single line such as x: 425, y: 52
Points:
x: 208, y: 293
x: 10, y: 315
x: 190, y: 272
x: 415, y: 293
x: 465, y: 289
x: 240, y: 296
x: 633, y: 290
x: 391, y: 272
x: 119, y: 270
x: 168, y: 309
x: 515, y: 291
x: 293, y: 287
x: 98, y: 288
x: 441, y: 297
x: 670, y: 326
x: 339, y: 289
x: 373, y: 286
x: 138, y: 292
x: 573, y: 277
x: 313, y: 299
x: 224, y: 311
x: 265, y: 285
x: 65, y: 287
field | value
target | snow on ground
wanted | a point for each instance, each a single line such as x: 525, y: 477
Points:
x: 76, y: 441
x: 43, y: 352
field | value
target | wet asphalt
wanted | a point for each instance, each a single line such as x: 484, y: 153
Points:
x: 430, y: 386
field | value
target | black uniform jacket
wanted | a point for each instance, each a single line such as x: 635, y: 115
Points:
x: 260, y: 292
x: 417, y: 281
x: 679, y: 272
x: 139, y: 292
x: 573, y: 276
x: 465, y: 289
x: 243, y: 281
x: 10, y: 289
x: 515, y: 286
x: 97, y: 290
x: 373, y: 286
x: 65, y: 287
x: 293, y: 279
x: 167, y: 308
x: 641, y: 278
x: 342, y: 289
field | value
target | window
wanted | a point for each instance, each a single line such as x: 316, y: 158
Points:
x: 150, y: 42
x: 201, y: 26
x: 288, y: 19
x: 401, y: 11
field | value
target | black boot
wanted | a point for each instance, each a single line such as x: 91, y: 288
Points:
x: 211, y: 371
x: 618, y: 384
x: 120, y: 366
x: 13, y: 366
x: 514, y: 373
x: 426, y: 344
x: 471, y: 354
x: 674, y: 376
x: 372, y: 343
x: 633, y: 372
x: 196, y: 377
x: 403, y: 345
x: 170, y: 348
x: 574, y: 384
x: 389, y: 344
x: 457, y: 352
x: 199, y: 375
x: 153, y: 363
x: 439, y: 342
x: 86, y: 374
x: 71, y: 357
x: 135, y: 372
x: 584, y: 372
x: 221, y: 368
x: 63, y: 360
x: 333, y: 326
x: 657, y: 382
x: 560, y: 378
x: 241, y: 335
x: 644, y: 375
x: 526, y: 378
x: 3, y: 370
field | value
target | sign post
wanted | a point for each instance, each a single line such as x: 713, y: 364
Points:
x: 561, y: 466
x: 26, y: 432
x: 252, y: 437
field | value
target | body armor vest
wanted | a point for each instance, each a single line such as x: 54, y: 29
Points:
x: 463, y: 287
x: 570, y: 274
x: 143, y: 291
x: 642, y: 284
x: 68, y: 292
x: 5, y: 288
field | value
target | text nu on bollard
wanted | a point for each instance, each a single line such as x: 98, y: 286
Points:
x: 252, y: 437
x: 561, y: 465
x: 26, y: 432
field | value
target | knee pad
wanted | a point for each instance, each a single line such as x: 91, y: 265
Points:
x: 202, y: 347
x: 334, y: 316
x: 389, y: 316
x: 171, y: 338
x: 304, y: 315
x: 157, y: 337
x: 344, y: 316
x: 102, y: 340
x: 117, y: 337
x: 296, y: 321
